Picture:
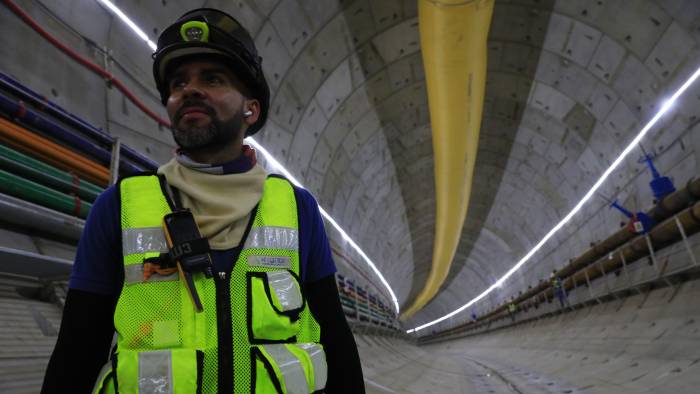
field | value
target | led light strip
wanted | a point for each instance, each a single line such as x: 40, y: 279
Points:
x: 662, y: 111
x: 273, y: 162
x: 128, y: 22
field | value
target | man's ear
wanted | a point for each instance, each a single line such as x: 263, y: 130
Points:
x: 251, y: 111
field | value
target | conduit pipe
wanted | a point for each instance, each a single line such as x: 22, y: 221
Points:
x: 52, y: 153
x: 42, y: 195
x: 31, y: 118
x: 86, y: 129
x: 40, y: 219
x: 662, y: 234
x: 453, y: 36
x: 63, y: 184
x: 83, y: 188
x: 84, y: 62
x: 667, y: 207
x: 671, y: 204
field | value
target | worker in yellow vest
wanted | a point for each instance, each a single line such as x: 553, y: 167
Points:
x: 512, y: 309
x: 216, y: 276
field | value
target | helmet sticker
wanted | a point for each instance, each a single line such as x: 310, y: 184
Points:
x: 195, y: 31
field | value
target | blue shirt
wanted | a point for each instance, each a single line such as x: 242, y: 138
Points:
x: 99, y: 268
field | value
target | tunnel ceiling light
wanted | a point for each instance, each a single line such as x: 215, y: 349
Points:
x: 665, y: 107
x: 128, y: 22
x: 274, y: 163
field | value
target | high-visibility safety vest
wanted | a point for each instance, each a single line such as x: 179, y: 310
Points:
x: 256, y: 333
x: 556, y: 282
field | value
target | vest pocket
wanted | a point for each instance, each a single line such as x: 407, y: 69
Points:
x: 288, y: 368
x: 275, y: 302
x: 170, y: 371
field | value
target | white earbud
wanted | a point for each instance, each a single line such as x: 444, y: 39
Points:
x: 247, y: 113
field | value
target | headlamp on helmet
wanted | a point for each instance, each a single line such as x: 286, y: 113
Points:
x: 207, y: 32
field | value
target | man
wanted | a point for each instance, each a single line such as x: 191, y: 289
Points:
x: 217, y: 277
x: 559, y: 289
x: 512, y: 308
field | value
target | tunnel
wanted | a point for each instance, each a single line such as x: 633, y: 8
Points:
x: 509, y: 188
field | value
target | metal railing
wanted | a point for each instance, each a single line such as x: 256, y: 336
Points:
x: 665, y: 256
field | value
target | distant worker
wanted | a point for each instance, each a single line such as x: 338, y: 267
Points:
x: 512, y: 309
x: 474, y: 317
x: 216, y: 276
x: 559, y: 290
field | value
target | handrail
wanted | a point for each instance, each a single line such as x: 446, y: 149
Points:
x: 669, y: 206
x: 663, y: 234
x: 626, y: 245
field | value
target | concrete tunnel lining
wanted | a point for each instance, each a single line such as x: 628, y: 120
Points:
x: 568, y: 84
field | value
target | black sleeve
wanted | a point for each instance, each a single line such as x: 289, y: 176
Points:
x: 83, y: 343
x: 344, y: 368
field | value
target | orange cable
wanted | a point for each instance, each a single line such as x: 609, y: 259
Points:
x: 52, y: 153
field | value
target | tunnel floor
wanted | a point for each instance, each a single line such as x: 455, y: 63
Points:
x: 645, y: 343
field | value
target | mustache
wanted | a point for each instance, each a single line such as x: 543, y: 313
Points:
x: 194, y: 103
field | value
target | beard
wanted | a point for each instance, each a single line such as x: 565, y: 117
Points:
x: 217, y: 133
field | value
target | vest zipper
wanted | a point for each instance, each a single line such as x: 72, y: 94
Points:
x: 224, y: 333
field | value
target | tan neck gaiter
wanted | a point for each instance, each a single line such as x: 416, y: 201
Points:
x: 221, y: 204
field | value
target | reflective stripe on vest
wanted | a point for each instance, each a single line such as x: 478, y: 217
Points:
x: 160, y: 371
x: 155, y: 372
x: 155, y: 318
x: 270, y: 237
x: 143, y: 240
x: 288, y: 367
x: 318, y: 361
x: 286, y: 293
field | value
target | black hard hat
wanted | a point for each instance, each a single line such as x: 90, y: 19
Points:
x: 210, y: 32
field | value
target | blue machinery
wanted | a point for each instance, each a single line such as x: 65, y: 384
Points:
x: 661, y: 186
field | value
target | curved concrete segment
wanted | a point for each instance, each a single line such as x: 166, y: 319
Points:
x: 568, y: 85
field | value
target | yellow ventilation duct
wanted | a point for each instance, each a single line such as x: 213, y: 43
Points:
x: 453, y: 42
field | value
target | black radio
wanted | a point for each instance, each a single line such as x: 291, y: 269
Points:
x: 188, y: 249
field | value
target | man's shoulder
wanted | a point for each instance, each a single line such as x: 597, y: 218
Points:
x: 110, y: 195
x: 107, y: 204
x: 108, y: 198
x: 303, y: 196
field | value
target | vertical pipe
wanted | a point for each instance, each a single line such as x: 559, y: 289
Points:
x: 114, y: 163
